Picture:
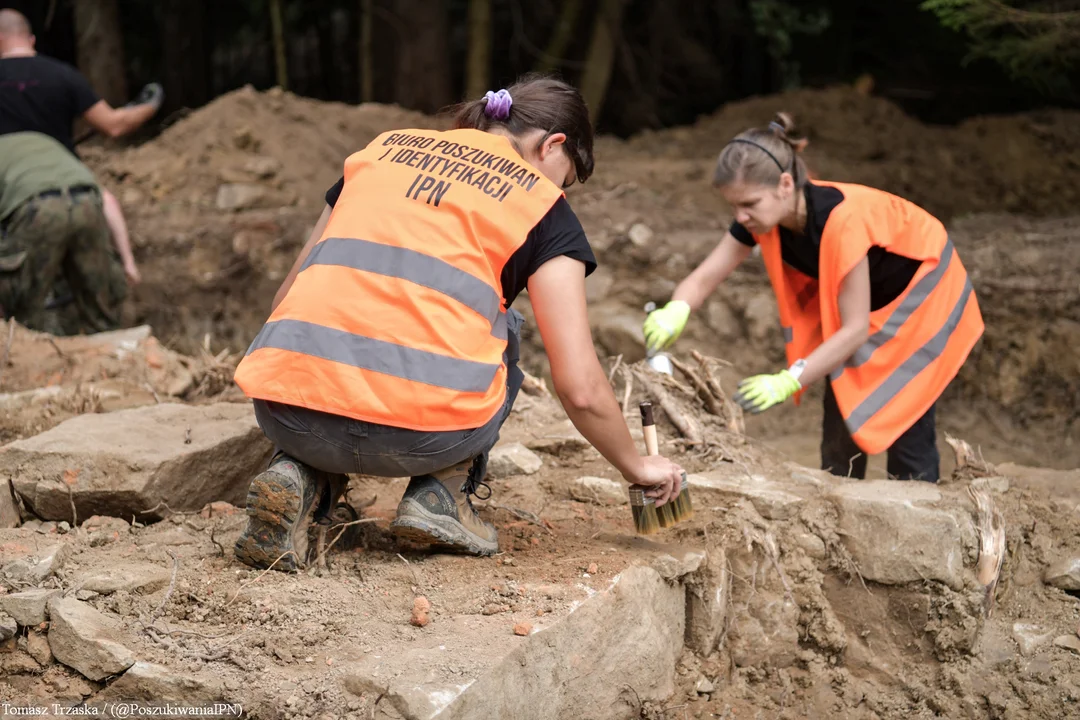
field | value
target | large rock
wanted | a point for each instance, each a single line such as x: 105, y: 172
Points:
x: 619, y: 332
x: 629, y: 634
x: 901, y: 532
x: 9, y: 512
x: 156, y: 683
x: 35, y: 566
x: 138, y: 576
x: 29, y: 606
x: 84, y: 639
x: 127, y: 462
x: 708, y: 591
x: 599, y: 490
x: 513, y: 459
x: 1064, y: 574
x: 773, y: 500
x: 239, y: 196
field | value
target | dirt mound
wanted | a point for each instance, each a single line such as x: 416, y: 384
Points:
x: 286, y: 144
x: 1023, y: 163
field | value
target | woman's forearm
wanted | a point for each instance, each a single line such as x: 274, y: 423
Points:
x: 832, y: 353
x: 721, y: 262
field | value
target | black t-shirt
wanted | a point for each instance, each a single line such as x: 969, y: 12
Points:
x: 559, y: 232
x: 40, y: 94
x: 890, y: 273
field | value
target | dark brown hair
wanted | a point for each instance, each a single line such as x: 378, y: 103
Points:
x: 762, y: 155
x: 540, y: 102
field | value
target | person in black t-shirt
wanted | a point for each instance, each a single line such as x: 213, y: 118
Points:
x: 872, y: 299
x: 415, y: 320
x: 40, y: 94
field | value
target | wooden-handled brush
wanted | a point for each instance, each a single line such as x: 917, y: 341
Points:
x: 646, y: 514
x: 679, y: 507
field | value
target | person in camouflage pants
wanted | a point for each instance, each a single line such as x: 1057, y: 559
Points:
x: 56, y: 235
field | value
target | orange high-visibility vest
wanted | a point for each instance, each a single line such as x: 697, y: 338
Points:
x: 397, y: 315
x: 917, y: 343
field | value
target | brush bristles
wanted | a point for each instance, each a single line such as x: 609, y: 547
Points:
x: 664, y: 515
x: 681, y: 507
x: 646, y: 518
x: 646, y: 521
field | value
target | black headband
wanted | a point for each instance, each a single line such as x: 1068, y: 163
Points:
x: 763, y: 149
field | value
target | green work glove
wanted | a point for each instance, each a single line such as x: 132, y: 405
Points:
x: 761, y: 392
x: 663, y: 326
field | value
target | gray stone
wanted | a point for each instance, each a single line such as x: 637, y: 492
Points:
x: 262, y: 166
x: 674, y: 562
x: 157, y: 683
x: 1031, y: 637
x: 138, y: 576
x: 513, y: 459
x: 84, y: 639
x: 35, y: 567
x: 1064, y: 574
x: 811, y: 544
x: 707, y: 593
x: 722, y: 319
x: 1068, y: 642
x: 9, y: 511
x: 618, y: 331
x: 8, y: 627
x: 640, y: 234
x: 239, y: 196
x: 599, y: 490
x: 899, y: 532
x: 558, y: 439
x: 29, y: 606
x: 127, y: 462
x: 773, y: 500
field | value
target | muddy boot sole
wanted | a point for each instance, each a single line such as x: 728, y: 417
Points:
x: 274, y: 524
x: 417, y: 524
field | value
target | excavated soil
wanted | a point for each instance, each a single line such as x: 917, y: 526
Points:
x: 807, y: 637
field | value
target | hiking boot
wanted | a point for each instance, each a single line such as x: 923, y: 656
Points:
x: 437, y: 510
x: 282, y: 503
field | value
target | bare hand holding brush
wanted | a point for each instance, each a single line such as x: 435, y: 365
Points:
x: 662, y: 476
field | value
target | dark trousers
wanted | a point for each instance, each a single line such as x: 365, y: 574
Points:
x: 338, y: 444
x: 914, y: 455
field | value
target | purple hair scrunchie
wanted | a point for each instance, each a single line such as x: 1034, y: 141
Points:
x: 498, y: 105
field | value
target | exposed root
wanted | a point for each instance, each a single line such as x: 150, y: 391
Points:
x: 712, y: 404
x: 992, y: 546
x: 968, y: 462
x: 172, y: 586
x: 687, y: 425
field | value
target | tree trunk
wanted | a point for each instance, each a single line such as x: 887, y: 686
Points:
x: 184, y: 74
x: 478, y: 63
x: 99, y: 48
x: 601, y: 56
x: 367, y: 56
x: 423, y: 60
x: 560, y: 37
x: 278, y: 28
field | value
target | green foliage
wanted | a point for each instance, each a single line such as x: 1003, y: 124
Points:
x: 1037, y: 42
x: 778, y: 22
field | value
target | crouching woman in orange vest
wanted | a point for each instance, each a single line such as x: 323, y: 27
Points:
x: 391, y: 349
x: 871, y: 293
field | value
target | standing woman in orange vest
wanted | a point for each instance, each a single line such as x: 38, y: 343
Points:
x: 872, y: 297
x: 391, y: 349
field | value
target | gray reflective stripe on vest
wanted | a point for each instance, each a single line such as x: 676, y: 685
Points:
x: 789, y: 334
x: 376, y: 355
x: 911, y: 367
x: 416, y: 267
x: 922, y: 290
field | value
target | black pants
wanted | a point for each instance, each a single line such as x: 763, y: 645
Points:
x: 914, y: 455
x: 338, y: 444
